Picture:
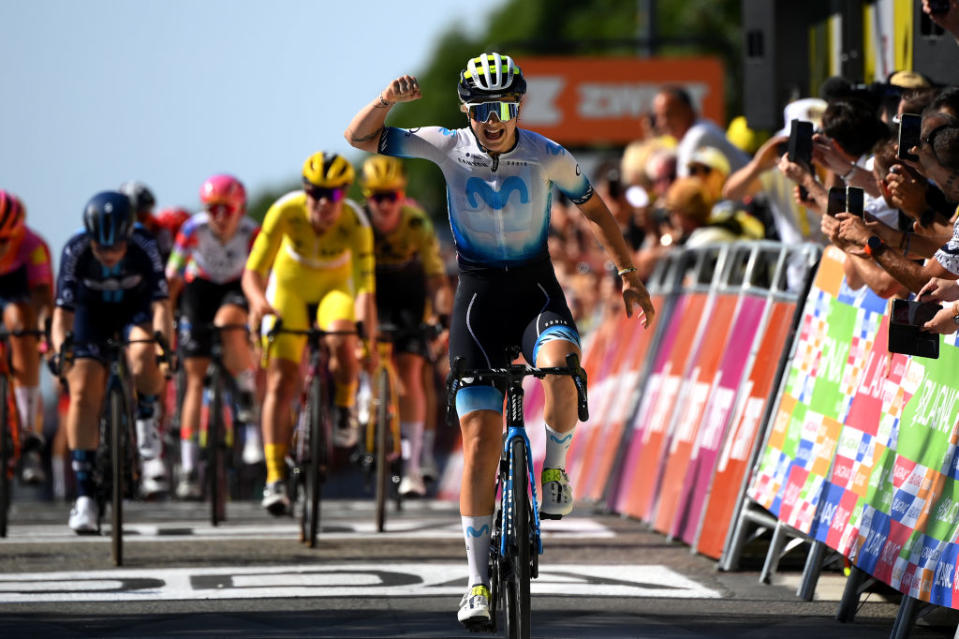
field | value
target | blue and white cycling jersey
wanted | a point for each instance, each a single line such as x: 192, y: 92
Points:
x: 498, y: 206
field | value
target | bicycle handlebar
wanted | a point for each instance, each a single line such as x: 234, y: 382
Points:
x: 55, y: 364
x: 515, y: 372
x: 387, y: 332
x: 312, y: 332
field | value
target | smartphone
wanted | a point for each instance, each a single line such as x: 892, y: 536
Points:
x: 854, y: 200
x: 905, y: 328
x: 909, y: 126
x: 799, y: 147
x: 837, y: 201
x: 938, y: 7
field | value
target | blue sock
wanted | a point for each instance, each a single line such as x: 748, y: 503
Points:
x: 146, y: 406
x: 83, y: 462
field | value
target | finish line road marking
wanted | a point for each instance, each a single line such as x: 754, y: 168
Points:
x: 336, y: 580
x: 333, y: 529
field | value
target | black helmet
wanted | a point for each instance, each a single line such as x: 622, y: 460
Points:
x: 141, y: 197
x: 108, y: 218
x: 490, y: 76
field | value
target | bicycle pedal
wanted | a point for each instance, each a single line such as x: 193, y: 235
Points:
x: 543, y: 515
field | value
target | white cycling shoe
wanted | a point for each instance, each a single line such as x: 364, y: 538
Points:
x: 474, y: 607
x: 154, y: 478
x: 557, y: 494
x: 83, y: 516
x: 412, y: 485
x: 275, y: 499
x: 149, y: 444
x: 188, y: 488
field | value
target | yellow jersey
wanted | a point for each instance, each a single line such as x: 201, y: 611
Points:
x: 413, y: 237
x: 288, y: 244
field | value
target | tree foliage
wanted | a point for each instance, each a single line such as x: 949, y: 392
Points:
x: 556, y: 27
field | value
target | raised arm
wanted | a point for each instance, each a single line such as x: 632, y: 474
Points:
x: 367, y: 125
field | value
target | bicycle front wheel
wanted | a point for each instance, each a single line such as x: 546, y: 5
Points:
x: 6, y: 451
x: 216, y: 470
x: 383, y: 470
x: 316, y: 472
x: 518, y: 562
x: 118, y: 474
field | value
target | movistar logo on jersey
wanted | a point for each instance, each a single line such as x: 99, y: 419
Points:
x: 496, y: 199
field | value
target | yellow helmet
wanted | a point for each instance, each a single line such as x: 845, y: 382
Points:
x: 328, y: 170
x: 383, y: 173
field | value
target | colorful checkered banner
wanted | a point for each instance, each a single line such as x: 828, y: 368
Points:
x: 862, y: 452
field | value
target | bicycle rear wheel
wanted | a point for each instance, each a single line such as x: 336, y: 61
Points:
x: 216, y: 468
x: 518, y: 562
x: 384, y: 474
x: 316, y: 470
x: 118, y: 475
x: 6, y: 452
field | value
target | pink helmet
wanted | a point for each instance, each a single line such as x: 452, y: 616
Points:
x: 224, y: 189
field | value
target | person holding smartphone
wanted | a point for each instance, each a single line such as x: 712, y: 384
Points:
x: 946, y: 292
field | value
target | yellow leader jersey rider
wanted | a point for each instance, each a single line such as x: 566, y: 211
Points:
x: 313, y: 257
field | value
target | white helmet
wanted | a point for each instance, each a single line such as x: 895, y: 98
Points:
x: 490, y: 76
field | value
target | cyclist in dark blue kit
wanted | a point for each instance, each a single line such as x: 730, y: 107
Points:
x: 110, y: 282
x: 499, y: 179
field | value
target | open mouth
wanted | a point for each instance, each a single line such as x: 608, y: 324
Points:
x: 493, y: 134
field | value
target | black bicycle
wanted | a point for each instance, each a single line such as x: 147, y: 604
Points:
x: 311, y: 433
x: 117, y: 471
x: 216, y: 440
x: 516, y: 522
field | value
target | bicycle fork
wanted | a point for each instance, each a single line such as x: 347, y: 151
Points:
x: 516, y: 428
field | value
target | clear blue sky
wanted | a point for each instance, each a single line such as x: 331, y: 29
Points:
x: 96, y: 92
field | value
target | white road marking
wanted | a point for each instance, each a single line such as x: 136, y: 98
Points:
x: 333, y: 529
x: 335, y: 580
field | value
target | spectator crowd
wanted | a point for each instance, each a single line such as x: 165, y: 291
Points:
x: 690, y: 183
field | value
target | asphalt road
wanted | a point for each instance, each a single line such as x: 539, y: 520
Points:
x: 601, y: 576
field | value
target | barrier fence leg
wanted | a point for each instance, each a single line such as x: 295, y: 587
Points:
x: 810, y: 573
x: 905, y: 618
x: 773, y: 554
x: 857, y: 581
x: 730, y: 561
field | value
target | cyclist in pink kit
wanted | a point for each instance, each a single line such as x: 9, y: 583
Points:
x: 26, y: 299
x: 204, y: 272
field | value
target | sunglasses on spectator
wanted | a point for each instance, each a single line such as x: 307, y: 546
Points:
x: 320, y: 192
x: 385, y: 196
x: 483, y: 111
x: 699, y: 169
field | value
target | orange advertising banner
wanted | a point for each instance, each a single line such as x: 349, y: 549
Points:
x: 733, y: 463
x: 597, y: 100
x: 699, y: 383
